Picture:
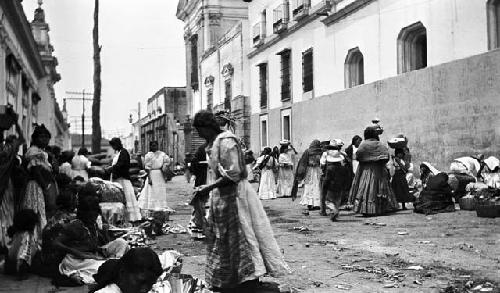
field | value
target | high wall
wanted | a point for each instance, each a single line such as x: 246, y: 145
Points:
x: 446, y: 111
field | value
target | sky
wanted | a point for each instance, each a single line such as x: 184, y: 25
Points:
x: 142, y: 51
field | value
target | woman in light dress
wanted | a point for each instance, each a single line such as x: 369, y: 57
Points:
x: 285, y: 174
x: 309, y: 170
x: 80, y: 164
x: 240, y: 242
x: 267, y: 163
x: 120, y: 174
x: 154, y: 194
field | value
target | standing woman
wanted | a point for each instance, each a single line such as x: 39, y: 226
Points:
x: 240, y: 242
x: 309, y: 170
x: 41, y: 191
x: 80, y: 164
x: 285, y: 175
x: 399, y: 183
x: 154, y: 194
x: 351, y: 152
x: 120, y: 174
x: 8, y: 159
x: 371, y: 192
x: 249, y: 161
x: 267, y: 163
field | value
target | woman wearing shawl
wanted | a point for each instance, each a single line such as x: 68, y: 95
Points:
x: 240, y: 242
x: 285, y: 173
x: 41, y: 191
x: 399, y: 183
x: 309, y: 170
x: 120, y: 174
x: 154, y: 194
x: 8, y: 158
x: 267, y: 163
x: 371, y: 192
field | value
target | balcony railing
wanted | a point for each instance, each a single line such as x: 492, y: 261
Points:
x: 280, y: 18
x: 257, y: 35
x: 300, y: 9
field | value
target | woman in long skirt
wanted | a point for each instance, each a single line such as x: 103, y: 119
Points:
x: 267, y: 163
x: 154, y: 194
x: 120, y: 174
x: 8, y: 157
x: 41, y: 191
x: 80, y: 164
x: 285, y: 174
x: 309, y: 170
x: 371, y: 192
x: 240, y: 242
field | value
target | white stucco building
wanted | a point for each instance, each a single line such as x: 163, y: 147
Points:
x: 307, y: 49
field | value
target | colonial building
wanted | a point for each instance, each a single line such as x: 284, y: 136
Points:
x: 217, y: 66
x: 164, y: 121
x: 323, y: 69
x: 27, y: 73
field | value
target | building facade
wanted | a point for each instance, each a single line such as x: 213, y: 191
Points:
x: 164, y: 122
x: 217, y: 65
x: 323, y: 69
x: 27, y: 73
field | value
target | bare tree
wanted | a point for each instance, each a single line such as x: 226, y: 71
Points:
x: 96, y: 104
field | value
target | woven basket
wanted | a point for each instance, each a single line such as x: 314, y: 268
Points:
x: 467, y: 203
x: 488, y: 211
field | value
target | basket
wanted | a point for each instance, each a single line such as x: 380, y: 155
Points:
x: 398, y: 143
x: 467, y: 203
x: 488, y: 211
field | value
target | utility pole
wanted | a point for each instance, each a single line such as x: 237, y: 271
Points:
x: 83, y: 99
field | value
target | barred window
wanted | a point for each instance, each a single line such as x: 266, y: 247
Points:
x: 307, y: 71
x: 286, y: 77
x: 263, y: 84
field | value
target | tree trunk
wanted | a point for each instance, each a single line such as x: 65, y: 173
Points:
x: 96, y: 104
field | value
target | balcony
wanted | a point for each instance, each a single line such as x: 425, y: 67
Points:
x: 300, y: 9
x: 280, y: 19
x: 258, y: 36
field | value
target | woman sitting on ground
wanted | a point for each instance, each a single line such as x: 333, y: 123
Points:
x: 137, y: 271
x: 85, y: 243
x: 436, y: 196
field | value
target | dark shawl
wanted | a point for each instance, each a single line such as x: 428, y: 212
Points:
x: 122, y: 166
x: 313, y: 150
x: 372, y: 150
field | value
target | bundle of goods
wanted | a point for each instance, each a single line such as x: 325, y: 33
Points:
x: 488, y: 203
x: 135, y: 236
x: 108, y: 191
x: 492, y: 179
x: 458, y: 183
x: 398, y: 142
x: 468, y: 202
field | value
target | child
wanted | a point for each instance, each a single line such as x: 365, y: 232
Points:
x: 23, y: 246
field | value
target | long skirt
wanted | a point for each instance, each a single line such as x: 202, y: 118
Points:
x: 371, y: 192
x: 267, y: 187
x: 401, y: 188
x: 86, y: 268
x: 312, y: 188
x: 240, y: 242
x: 285, y: 181
x: 6, y: 213
x: 133, y: 212
x: 34, y: 199
x: 154, y: 196
x: 251, y: 175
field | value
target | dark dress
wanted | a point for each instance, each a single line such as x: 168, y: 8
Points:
x: 436, y: 196
x: 399, y: 183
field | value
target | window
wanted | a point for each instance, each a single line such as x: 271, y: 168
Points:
x: 210, y: 99
x: 493, y: 12
x: 263, y: 84
x: 194, y: 62
x: 307, y: 71
x: 13, y: 69
x: 354, y: 68
x: 228, y: 89
x: 286, y: 77
x: 300, y: 8
x: 286, y: 125
x: 412, y: 48
x: 263, y: 131
x: 259, y: 30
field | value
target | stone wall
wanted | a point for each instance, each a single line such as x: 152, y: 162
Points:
x: 446, y: 111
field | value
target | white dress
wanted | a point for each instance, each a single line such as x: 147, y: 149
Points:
x: 267, y: 187
x: 312, y: 188
x: 133, y: 212
x: 285, y: 175
x: 154, y: 196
